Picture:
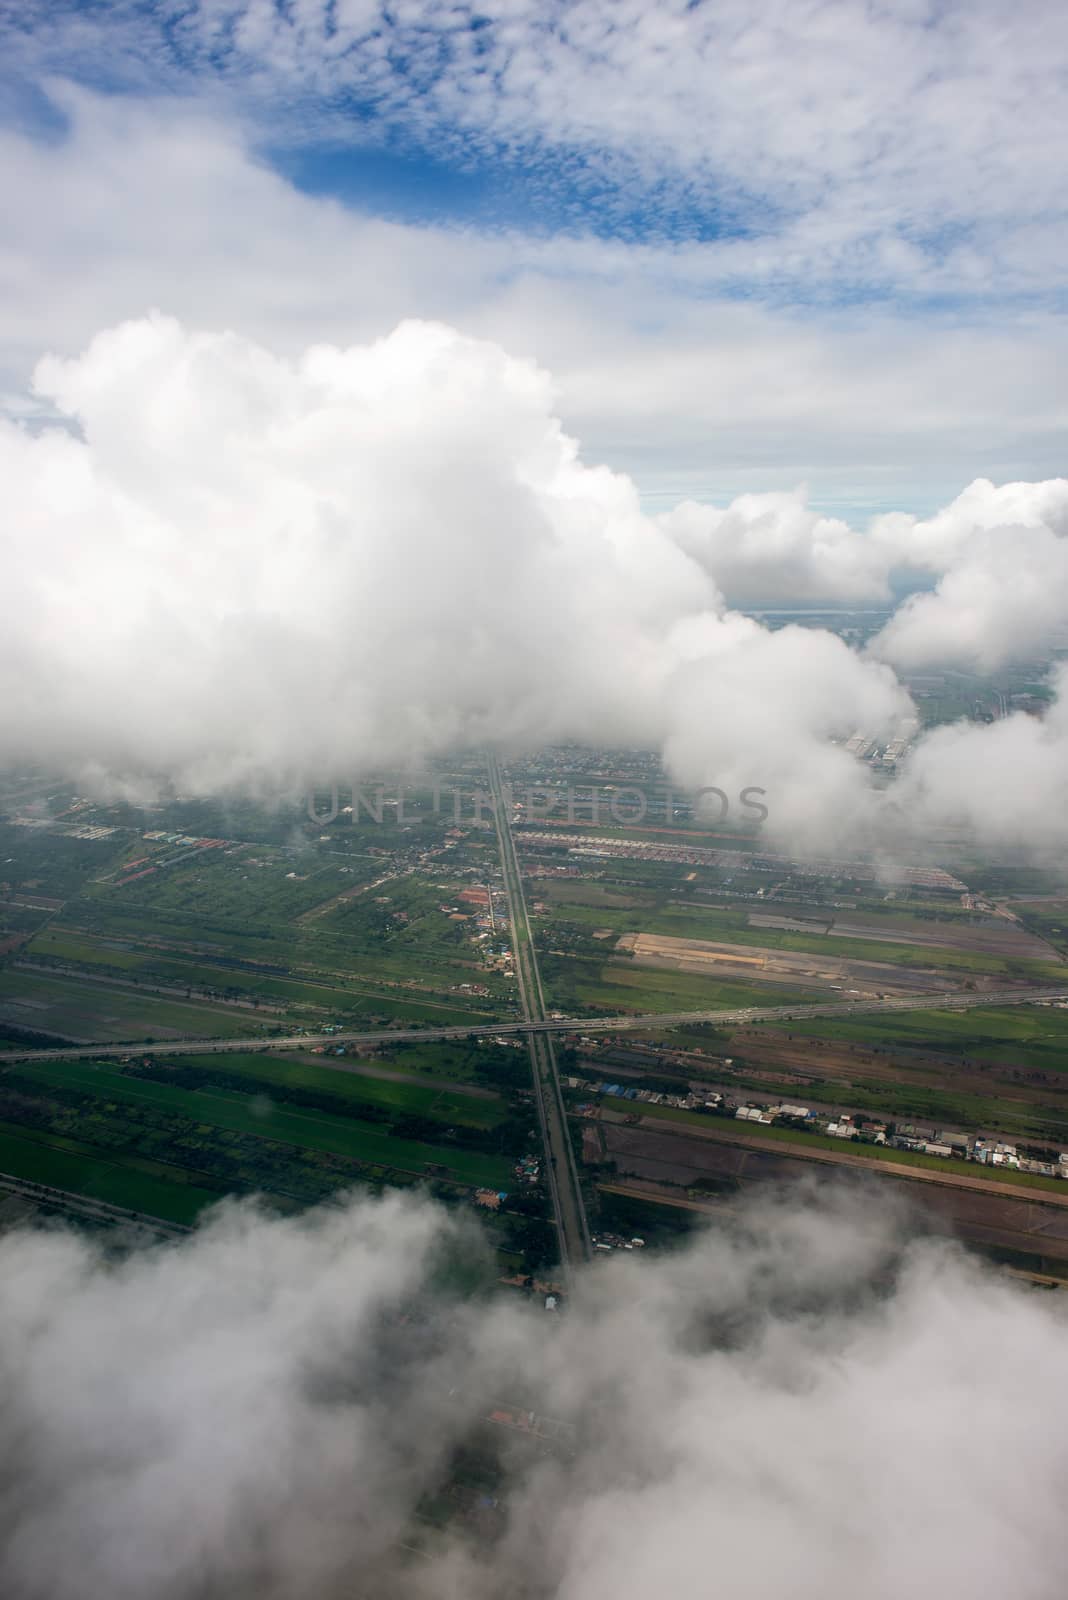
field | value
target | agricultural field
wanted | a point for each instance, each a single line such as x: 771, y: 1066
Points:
x: 72, y: 1166
x: 1024, y: 1037
x: 634, y: 934
x: 703, y: 1165
x: 205, y: 920
x: 37, y: 863
x: 988, y: 1070
x: 1046, y: 918
x: 583, y: 985
x: 667, y: 1165
x: 168, y: 1137
x: 767, y: 965
x: 952, y: 943
x: 156, y: 934
x: 72, y: 1010
x: 209, y: 920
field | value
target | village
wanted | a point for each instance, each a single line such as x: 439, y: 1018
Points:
x: 986, y: 1150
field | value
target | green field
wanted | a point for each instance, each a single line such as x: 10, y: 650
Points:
x: 265, y: 1073
x: 26, y: 1155
x: 1049, y: 920
x: 166, y: 1137
x: 260, y: 1117
x: 1036, y: 1035
x: 245, y: 925
x: 306, y: 1003
x: 82, y: 1009
x: 581, y: 908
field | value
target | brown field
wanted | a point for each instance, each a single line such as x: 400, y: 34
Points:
x: 997, y: 936
x: 801, y: 1061
x: 694, y: 1168
x: 783, y: 966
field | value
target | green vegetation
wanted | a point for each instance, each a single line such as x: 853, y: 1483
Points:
x: 78, y: 1009
x: 261, y: 1117
x: 291, y: 997
x: 1036, y: 1036
x: 24, y: 1154
x: 284, y: 933
x: 343, y: 1086
x: 581, y: 907
x: 167, y: 1136
x: 1049, y: 920
x: 40, y: 861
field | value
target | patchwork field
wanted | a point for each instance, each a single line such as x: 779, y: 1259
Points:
x: 988, y: 1070
x: 850, y: 977
x: 994, y: 935
x: 80, y: 1010
x: 660, y: 920
x: 168, y: 1137
x: 581, y: 984
x: 233, y: 923
x: 156, y: 938
x: 884, y: 931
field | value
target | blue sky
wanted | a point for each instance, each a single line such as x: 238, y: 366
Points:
x: 850, y: 217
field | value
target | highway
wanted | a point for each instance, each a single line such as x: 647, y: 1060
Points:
x: 565, y: 1190
x: 643, y: 1022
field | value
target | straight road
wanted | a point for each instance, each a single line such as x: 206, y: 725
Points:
x: 642, y: 1022
x: 569, y: 1210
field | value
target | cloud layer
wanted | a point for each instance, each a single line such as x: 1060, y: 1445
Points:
x: 662, y: 370
x: 234, y: 568
x: 246, y: 568
x: 781, y: 135
x: 812, y: 1399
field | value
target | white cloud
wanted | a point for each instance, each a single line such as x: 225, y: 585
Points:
x: 237, y: 568
x: 257, y: 1411
x: 1007, y: 782
x: 149, y: 203
x: 1002, y: 553
x: 765, y: 549
x: 1005, y: 598
x: 241, y: 569
x: 915, y: 145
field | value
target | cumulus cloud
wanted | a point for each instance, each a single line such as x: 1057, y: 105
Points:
x: 765, y: 549
x: 1006, y: 783
x: 1006, y: 597
x: 1002, y: 553
x: 242, y: 569
x: 261, y: 1410
x: 661, y: 371
x: 229, y: 567
x: 998, y: 554
x: 754, y: 708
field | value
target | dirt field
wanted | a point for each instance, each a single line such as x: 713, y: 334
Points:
x: 682, y: 1167
x: 783, y: 966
